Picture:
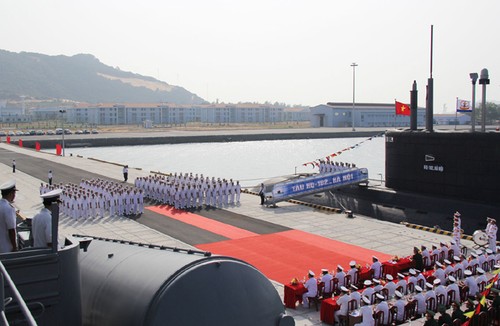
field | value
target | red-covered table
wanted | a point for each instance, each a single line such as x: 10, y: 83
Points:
x: 364, y: 274
x: 394, y: 268
x: 327, y: 311
x: 293, y: 293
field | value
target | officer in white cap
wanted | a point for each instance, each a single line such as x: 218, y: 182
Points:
x: 482, y: 277
x: 439, y: 272
x: 366, y: 311
x: 340, y: 275
x: 369, y: 290
x: 42, y: 222
x: 376, y: 267
x: 390, y: 285
x: 453, y: 287
x: 419, y: 297
x: 382, y: 306
x: 8, y: 238
x: 402, y: 283
x: 353, y: 272
x: 471, y: 283
x: 312, y: 289
x: 400, y: 304
x: 492, y: 234
x: 342, y: 301
x: 430, y: 292
x: 355, y: 295
x: 326, y: 278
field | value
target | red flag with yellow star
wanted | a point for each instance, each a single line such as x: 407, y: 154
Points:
x: 402, y: 109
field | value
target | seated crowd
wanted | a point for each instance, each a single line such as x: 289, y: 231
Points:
x: 445, y: 278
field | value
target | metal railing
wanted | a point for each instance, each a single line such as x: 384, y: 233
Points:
x: 24, y: 308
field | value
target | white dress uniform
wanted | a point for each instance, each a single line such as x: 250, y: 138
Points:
x: 492, y: 236
x: 312, y: 289
x: 376, y: 266
x: 238, y: 192
x: 383, y: 306
x: 343, y: 302
x: 42, y: 228
x: 7, y: 222
x: 367, y: 316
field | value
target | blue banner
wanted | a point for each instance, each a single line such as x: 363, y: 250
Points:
x: 317, y: 183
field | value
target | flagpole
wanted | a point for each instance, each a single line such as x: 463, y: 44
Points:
x: 456, y: 113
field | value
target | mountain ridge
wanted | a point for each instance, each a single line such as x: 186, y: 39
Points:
x: 81, y: 78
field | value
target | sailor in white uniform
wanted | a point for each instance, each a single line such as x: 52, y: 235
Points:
x: 376, y: 267
x: 8, y: 238
x: 42, y: 222
x: 366, y: 312
x: 492, y: 234
x: 312, y: 289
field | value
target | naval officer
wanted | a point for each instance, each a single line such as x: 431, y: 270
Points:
x: 42, y: 222
x: 8, y: 217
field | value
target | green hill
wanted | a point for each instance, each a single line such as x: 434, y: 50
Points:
x: 81, y: 78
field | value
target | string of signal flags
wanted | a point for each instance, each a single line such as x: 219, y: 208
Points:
x: 316, y: 162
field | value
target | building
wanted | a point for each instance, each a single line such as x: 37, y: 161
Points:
x: 173, y: 114
x: 365, y: 115
x: 452, y: 119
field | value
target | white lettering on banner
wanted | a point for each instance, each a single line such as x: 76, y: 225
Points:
x: 310, y: 185
x: 322, y: 183
x: 348, y: 177
x: 298, y: 187
x: 336, y: 179
x: 437, y: 168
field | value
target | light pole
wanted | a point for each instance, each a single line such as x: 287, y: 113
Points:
x: 473, y: 77
x: 62, y: 125
x: 484, y: 80
x: 353, y: 65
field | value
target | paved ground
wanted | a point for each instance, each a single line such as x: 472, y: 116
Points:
x: 32, y: 168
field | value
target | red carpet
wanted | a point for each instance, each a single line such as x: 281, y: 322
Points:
x: 213, y: 226
x: 285, y: 255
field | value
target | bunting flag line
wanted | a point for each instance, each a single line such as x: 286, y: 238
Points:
x: 316, y: 162
x: 482, y: 301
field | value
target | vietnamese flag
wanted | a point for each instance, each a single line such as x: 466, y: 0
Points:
x: 402, y: 109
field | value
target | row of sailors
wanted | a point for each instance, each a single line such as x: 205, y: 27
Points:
x: 331, y: 167
x: 78, y: 202
x: 121, y: 199
x: 416, y: 283
x: 190, y: 193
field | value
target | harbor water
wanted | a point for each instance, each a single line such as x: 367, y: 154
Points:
x: 250, y: 162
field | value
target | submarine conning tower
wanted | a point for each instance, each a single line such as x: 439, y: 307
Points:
x: 125, y: 283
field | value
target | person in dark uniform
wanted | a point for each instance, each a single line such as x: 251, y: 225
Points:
x: 418, y: 259
x: 261, y: 193
x: 457, y: 313
x: 13, y: 166
x: 125, y: 173
x: 444, y: 317
x: 429, y: 319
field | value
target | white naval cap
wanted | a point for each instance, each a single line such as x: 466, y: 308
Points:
x: 473, y: 254
x: 480, y: 270
x: 354, y: 287
x: 340, y: 267
x: 367, y: 283
x: 429, y: 285
x: 375, y: 257
x: 436, y: 281
x: 401, y: 275
x: 468, y: 272
x: 398, y: 294
x: 311, y: 273
x: 376, y: 281
x: 418, y: 288
x: 344, y: 289
x: 456, y: 258
x: 438, y: 264
x: 51, y: 194
x: 452, y: 279
x: 447, y: 262
x: 366, y: 299
x: 380, y: 296
x: 479, y: 252
x: 324, y: 270
x: 389, y: 277
x: 412, y: 271
x: 352, y: 263
x: 11, y: 184
x: 452, y: 242
x: 489, y: 251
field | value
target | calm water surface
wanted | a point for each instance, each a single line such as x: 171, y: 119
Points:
x: 250, y: 162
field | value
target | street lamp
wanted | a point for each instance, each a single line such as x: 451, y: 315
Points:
x: 484, y: 80
x: 473, y: 77
x: 62, y: 125
x: 353, y: 65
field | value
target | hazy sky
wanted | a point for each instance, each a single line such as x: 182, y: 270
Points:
x: 296, y: 52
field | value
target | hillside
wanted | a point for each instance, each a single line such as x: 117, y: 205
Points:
x: 81, y: 78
